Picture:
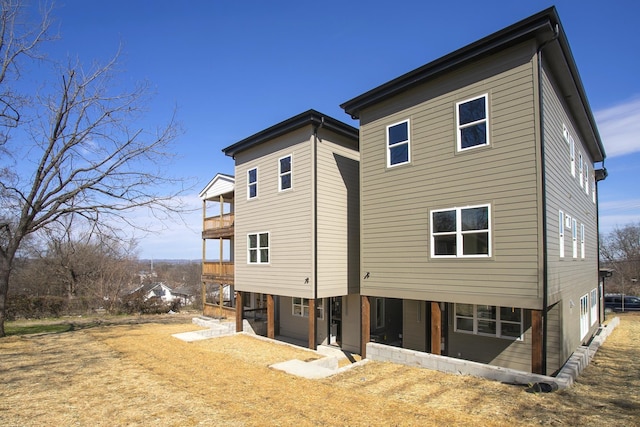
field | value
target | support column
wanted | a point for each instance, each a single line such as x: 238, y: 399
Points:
x: 436, y: 328
x: 536, y: 343
x: 312, y: 324
x: 271, y: 317
x: 239, y: 311
x: 365, y: 324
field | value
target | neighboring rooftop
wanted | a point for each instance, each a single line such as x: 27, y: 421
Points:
x: 309, y: 117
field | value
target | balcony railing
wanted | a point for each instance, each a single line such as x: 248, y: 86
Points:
x: 218, y: 272
x: 218, y: 222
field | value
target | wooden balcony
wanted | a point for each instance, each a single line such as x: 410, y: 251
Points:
x: 216, y: 227
x: 216, y: 272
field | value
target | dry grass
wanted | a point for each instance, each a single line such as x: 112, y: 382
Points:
x: 137, y: 374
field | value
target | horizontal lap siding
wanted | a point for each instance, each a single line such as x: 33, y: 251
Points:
x: 287, y: 216
x: 395, y: 202
x: 338, y: 216
x: 569, y: 278
x: 495, y: 351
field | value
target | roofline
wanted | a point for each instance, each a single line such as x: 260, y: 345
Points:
x: 540, y: 26
x: 217, y: 176
x: 309, y: 117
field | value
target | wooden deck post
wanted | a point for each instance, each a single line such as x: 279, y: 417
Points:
x: 536, y: 343
x: 436, y: 328
x: 271, y: 317
x: 239, y: 311
x: 365, y: 324
x: 312, y: 323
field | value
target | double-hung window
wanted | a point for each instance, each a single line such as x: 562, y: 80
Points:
x: 489, y: 320
x: 258, y: 248
x: 572, y: 155
x: 581, y: 169
x: 586, y: 178
x: 284, y: 173
x: 574, y: 234
x: 398, y: 145
x: 252, y: 183
x: 461, y: 232
x: 473, y: 122
x: 582, y: 241
x: 561, y: 233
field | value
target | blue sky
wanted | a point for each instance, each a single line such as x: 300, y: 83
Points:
x: 233, y: 68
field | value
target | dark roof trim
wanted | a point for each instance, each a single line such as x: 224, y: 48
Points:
x: 310, y: 117
x: 539, y: 26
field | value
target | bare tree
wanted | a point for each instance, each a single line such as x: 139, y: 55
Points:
x: 83, y: 155
x: 620, y: 250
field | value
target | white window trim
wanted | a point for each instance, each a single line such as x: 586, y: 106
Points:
x: 281, y: 174
x: 582, y: 241
x: 581, y: 164
x: 572, y: 154
x: 408, y: 143
x: 498, y: 321
x: 586, y: 178
x: 459, y: 128
x: 304, y: 303
x: 593, y: 302
x: 574, y: 234
x: 249, y: 184
x: 561, y: 232
x: 459, y: 233
x: 584, y: 316
x: 258, y: 248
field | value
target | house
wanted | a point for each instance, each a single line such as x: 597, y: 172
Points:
x: 461, y: 220
x: 218, y: 237
x: 162, y: 292
x: 296, y: 229
x: 478, y: 203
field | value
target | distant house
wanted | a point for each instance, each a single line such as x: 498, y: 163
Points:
x: 163, y: 293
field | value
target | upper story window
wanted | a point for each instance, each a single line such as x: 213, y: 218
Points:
x: 284, y: 173
x: 489, y: 320
x: 461, y: 232
x: 582, y: 241
x: 586, y: 178
x: 398, y: 144
x: 473, y: 123
x: 252, y: 183
x: 258, y: 248
x: 581, y: 165
x: 561, y: 233
x: 572, y: 154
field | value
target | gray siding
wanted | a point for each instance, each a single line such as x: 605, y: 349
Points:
x: 491, y: 350
x: 338, y: 216
x: 414, y: 325
x: 351, y: 323
x: 396, y: 202
x: 286, y: 215
x: 297, y: 327
x: 555, y: 353
x: 569, y: 278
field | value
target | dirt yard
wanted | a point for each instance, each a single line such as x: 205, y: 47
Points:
x: 136, y: 374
